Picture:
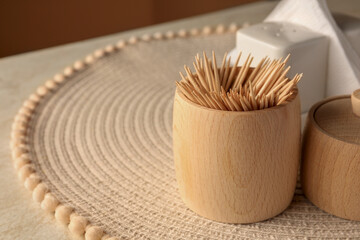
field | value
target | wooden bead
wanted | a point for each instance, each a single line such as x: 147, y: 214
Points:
x: 32, y: 181
x: 21, y: 161
x: 194, y: 32
x: 68, y: 71
x: 146, y: 37
x: 59, y: 78
x: 109, y: 48
x: 25, y: 171
x: 77, y: 224
x: 79, y: 65
x: 18, y: 135
x: 39, y: 192
x: 25, y: 111
x: 16, y: 142
x: 220, y: 29
x: 20, y: 122
x: 233, y: 27
x: 93, y: 233
x: 35, y: 98
x: 42, y: 91
x: 99, y: 53
x: 49, y: 203
x: 18, y: 126
x: 21, y: 118
x: 29, y: 104
x: 133, y: 40
x: 169, y: 34
x: 89, y: 59
x: 206, y: 30
x: 24, y: 147
x: 182, y: 33
x: 120, y: 44
x: 27, y: 156
x: 18, y: 118
x: 158, y: 36
x: 62, y: 213
x: 18, y: 151
x: 50, y: 84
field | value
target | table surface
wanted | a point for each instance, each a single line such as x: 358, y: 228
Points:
x: 20, y: 216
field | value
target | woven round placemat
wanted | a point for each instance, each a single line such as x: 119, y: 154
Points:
x: 94, y: 145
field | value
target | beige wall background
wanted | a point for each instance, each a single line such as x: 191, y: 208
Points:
x: 27, y: 25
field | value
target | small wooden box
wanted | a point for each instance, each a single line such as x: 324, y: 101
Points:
x: 330, y: 172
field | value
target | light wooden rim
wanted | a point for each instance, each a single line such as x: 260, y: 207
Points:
x: 312, y: 121
x: 355, y: 102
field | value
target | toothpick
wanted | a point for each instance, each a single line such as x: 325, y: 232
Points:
x: 207, y: 72
x: 235, y: 104
x: 201, y: 78
x: 232, y: 73
x: 218, y: 87
x: 185, y: 92
x: 216, y: 73
x: 226, y: 74
x: 256, y: 70
x: 222, y: 68
x: 252, y: 96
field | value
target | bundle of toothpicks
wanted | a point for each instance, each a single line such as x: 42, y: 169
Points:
x: 233, y: 88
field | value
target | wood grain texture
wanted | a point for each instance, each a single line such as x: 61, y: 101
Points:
x: 236, y: 167
x: 355, y: 102
x: 330, y: 159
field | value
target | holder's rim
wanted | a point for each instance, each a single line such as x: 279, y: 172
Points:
x: 265, y: 110
x: 311, y: 118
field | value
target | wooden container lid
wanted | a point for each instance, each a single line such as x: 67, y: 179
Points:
x: 339, y: 117
x: 331, y: 156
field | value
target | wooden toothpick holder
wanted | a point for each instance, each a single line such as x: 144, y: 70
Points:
x: 330, y: 172
x: 236, y: 167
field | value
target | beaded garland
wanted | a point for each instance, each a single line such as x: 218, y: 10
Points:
x: 78, y: 225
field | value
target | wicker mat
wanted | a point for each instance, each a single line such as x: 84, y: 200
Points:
x: 94, y: 145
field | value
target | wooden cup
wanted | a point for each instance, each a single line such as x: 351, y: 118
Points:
x: 236, y: 167
x: 330, y: 169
